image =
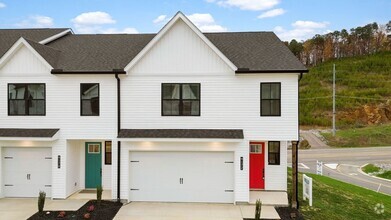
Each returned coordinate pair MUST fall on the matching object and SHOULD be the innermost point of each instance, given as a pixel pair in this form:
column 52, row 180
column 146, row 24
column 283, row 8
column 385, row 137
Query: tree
column 296, row 48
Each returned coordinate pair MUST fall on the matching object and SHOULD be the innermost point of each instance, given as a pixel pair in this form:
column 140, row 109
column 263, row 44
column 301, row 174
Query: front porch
column 90, row 194
column 270, row 198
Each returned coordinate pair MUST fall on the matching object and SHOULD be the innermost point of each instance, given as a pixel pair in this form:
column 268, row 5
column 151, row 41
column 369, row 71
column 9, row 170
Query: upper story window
column 89, row 95
column 26, row 99
column 270, row 99
column 181, row 99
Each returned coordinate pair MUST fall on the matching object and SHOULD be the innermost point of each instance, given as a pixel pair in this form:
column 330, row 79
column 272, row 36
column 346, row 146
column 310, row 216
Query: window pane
column 96, row 148
column 265, row 91
column 16, row 91
column 171, row 91
column 36, row 91
column 265, row 107
column 108, row 158
column 274, row 147
column 17, row 107
column 190, row 91
column 191, row 107
column 36, row 107
column 275, row 91
column 170, row 107
column 86, row 107
column 274, row 107
column 90, row 90
column 108, row 146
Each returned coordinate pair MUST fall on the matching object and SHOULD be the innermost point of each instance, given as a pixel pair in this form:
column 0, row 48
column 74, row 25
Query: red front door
column 257, row 165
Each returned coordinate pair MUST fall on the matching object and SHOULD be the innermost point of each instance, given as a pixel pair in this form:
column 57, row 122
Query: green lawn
column 385, row 175
column 333, row 199
column 377, row 171
column 370, row 168
column 361, row 137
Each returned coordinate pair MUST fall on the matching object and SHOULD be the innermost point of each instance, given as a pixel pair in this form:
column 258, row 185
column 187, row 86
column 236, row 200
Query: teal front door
column 93, row 164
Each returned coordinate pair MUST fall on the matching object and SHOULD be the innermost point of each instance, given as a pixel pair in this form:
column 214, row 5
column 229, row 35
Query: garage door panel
column 26, row 171
column 182, row 176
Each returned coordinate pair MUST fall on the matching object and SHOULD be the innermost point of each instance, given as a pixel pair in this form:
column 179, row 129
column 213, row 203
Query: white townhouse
column 177, row 116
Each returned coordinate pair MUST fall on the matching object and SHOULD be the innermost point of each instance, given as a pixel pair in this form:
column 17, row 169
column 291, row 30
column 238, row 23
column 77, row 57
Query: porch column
column 294, row 195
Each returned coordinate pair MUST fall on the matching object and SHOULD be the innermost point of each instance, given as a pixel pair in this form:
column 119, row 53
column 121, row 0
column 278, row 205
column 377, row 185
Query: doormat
column 88, row 191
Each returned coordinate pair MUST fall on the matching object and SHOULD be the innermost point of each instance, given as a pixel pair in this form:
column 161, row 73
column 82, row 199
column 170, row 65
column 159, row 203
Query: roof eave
column 114, row 71
column 246, row 71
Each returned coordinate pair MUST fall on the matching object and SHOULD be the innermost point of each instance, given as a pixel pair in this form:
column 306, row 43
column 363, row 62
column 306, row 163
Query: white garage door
column 26, row 171
column 182, row 176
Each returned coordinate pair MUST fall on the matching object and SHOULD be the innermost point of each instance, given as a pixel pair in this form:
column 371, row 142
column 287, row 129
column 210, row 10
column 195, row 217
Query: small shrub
column 90, row 208
column 41, row 201
column 99, row 191
column 61, row 214
column 258, row 207
column 87, row 216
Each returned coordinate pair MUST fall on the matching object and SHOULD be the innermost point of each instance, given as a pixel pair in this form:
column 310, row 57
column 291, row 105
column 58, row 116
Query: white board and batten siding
column 228, row 101
column 62, row 111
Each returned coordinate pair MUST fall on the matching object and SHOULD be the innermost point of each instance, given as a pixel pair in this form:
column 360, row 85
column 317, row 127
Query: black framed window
column 270, row 99
column 274, row 152
column 26, row 99
column 181, row 99
column 89, row 99
column 108, row 152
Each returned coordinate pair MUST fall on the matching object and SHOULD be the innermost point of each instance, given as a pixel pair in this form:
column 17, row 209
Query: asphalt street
column 349, row 161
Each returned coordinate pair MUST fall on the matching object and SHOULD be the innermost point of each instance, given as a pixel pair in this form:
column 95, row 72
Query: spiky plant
column 41, row 201
column 258, row 206
column 99, row 191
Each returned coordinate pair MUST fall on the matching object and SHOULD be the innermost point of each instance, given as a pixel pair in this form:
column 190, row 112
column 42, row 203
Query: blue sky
column 298, row 19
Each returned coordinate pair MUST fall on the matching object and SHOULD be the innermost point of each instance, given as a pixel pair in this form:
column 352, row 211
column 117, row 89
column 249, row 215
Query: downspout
column 118, row 142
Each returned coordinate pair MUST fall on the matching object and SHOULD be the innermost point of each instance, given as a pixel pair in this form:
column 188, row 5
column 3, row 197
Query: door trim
column 86, row 150
column 263, row 148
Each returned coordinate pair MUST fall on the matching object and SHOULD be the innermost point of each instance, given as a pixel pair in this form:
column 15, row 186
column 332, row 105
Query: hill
column 363, row 92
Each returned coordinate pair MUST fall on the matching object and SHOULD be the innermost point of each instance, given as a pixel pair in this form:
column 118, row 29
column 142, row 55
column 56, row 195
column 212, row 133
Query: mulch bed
column 106, row 210
column 285, row 213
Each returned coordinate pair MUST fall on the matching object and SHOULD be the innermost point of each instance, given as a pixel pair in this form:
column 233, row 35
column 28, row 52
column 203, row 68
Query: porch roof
column 182, row 133
column 28, row 132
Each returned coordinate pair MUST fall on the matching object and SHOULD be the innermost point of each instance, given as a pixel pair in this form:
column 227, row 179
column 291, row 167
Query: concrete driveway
column 15, row 208
column 190, row 211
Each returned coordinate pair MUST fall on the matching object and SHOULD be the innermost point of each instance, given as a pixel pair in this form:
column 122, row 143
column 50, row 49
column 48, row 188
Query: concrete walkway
column 15, row 208
column 191, row 211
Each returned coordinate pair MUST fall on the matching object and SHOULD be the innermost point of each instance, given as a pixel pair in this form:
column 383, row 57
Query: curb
column 362, row 172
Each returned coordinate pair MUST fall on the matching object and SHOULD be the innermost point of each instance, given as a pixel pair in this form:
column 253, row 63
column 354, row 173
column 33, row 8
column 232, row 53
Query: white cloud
column 206, row 23
column 128, row 30
column 272, row 13
column 2, row 5
column 310, row 24
column 36, row 21
column 302, row 30
column 93, row 18
column 251, row 5
column 160, row 19
column 95, row 23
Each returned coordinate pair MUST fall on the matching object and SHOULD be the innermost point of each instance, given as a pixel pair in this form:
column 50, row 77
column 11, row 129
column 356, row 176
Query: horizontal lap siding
column 63, row 107
column 226, row 102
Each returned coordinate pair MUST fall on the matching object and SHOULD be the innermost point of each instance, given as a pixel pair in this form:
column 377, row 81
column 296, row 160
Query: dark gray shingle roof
column 50, row 54
column 255, row 51
column 9, row 36
column 25, row 132
column 182, row 133
column 249, row 51
column 102, row 52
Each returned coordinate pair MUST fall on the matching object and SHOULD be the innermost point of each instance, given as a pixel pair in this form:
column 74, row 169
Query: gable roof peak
column 179, row 16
